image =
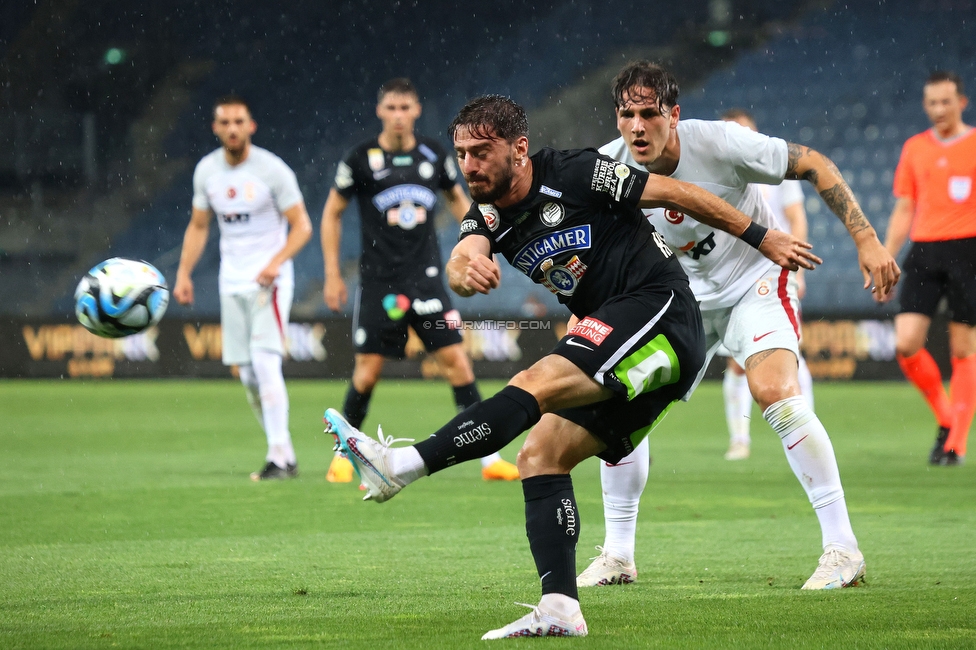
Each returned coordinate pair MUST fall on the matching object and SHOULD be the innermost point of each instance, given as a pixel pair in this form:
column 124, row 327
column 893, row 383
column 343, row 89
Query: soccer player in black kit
column 396, row 178
column 570, row 220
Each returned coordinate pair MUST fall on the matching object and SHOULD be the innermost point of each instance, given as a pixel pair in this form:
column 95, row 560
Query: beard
column 491, row 192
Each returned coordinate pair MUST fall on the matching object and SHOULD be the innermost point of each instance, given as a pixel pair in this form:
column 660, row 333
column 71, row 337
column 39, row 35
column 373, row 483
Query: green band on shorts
column 654, row 365
column 637, row 436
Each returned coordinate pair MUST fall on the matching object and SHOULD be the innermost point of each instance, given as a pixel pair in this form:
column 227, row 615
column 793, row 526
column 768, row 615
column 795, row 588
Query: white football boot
column 539, row 622
column 837, row 569
column 606, row 570
column 369, row 458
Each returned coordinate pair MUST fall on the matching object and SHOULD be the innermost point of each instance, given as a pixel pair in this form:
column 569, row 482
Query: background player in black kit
column 396, row 178
column 570, row 220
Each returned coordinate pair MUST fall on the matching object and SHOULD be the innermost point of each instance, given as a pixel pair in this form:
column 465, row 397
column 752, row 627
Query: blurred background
column 105, row 108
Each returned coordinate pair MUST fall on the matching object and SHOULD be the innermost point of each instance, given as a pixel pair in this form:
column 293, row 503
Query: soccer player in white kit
column 786, row 202
column 263, row 224
column 747, row 303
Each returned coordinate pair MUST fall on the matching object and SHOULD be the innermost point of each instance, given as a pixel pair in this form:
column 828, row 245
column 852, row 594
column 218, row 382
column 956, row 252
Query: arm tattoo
column 794, row 153
column 839, row 198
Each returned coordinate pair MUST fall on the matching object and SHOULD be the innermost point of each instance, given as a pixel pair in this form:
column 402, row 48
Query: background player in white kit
column 747, row 303
column 786, row 202
column 263, row 224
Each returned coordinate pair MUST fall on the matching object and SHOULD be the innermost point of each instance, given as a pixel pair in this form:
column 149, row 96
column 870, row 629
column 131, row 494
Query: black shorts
column 936, row 269
column 648, row 349
column 384, row 310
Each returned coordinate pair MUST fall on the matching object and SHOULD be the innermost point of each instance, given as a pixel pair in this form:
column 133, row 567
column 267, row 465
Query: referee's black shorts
column 936, row 269
column 647, row 348
column 384, row 310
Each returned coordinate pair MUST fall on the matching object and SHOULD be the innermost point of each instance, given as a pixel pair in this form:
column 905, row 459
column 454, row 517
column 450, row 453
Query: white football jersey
column 727, row 160
column 781, row 196
column 248, row 200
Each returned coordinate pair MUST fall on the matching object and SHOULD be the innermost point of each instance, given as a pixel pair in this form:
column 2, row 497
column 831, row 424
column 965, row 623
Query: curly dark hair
column 491, row 117
column 647, row 75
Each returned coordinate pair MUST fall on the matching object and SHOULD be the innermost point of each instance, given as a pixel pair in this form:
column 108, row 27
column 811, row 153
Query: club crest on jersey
column 673, row 216
column 530, row 258
column 591, row 329
column 231, row 192
column 562, row 279
column 959, row 188
column 425, row 169
column 552, row 213
column 407, row 215
column 491, row 216
column 376, row 159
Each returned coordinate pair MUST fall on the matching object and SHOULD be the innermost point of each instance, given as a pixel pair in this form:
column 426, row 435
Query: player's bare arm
column 780, row 247
column 194, row 241
column 334, row 292
column 471, row 268
column 457, row 201
column 875, row 261
column 299, row 232
column 899, row 225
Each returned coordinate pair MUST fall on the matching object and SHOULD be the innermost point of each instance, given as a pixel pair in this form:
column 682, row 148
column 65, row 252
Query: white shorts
column 767, row 317
column 254, row 320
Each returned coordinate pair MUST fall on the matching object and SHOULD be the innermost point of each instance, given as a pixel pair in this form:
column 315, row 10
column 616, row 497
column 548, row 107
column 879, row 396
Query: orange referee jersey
column 940, row 177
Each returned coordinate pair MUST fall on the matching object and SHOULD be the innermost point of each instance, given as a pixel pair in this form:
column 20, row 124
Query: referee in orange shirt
column 936, row 209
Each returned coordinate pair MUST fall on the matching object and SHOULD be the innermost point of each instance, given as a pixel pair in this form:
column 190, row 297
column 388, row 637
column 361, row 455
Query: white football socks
column 274, row 406
column 738, row 405
column 805, row 379
column 490, row 459
column 811, row 456
column 406, row 464
column 623, row 484
column 251, row 390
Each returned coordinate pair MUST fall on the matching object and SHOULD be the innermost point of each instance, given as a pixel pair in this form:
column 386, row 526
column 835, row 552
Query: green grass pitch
column 127, row 520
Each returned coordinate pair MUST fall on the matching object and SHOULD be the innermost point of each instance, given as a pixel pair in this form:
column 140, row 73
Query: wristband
column 754, row 235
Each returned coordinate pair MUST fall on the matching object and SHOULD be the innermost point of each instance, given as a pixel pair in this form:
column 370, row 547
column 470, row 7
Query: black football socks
column 356, row 406
column 552, row 525
column 465, row 396
column 481, row 429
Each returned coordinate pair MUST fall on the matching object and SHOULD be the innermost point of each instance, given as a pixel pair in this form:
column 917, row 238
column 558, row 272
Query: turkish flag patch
column 592, row 330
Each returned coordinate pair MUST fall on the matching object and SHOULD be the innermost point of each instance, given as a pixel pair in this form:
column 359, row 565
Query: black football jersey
column 397, row 192
column 579, row 231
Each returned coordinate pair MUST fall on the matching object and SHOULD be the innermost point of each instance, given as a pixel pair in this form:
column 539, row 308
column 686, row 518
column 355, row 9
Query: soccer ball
column 120, row 297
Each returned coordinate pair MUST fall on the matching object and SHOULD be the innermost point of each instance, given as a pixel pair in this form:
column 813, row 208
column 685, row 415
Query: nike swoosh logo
column 762, row 336
column 578, row 345
column 796, row 443
column 629, row 462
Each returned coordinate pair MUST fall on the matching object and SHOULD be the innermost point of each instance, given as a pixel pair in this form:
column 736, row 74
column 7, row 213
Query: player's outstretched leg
column 480, row 430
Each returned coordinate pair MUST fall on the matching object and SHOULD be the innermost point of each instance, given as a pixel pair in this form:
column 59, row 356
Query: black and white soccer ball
column 121, row 297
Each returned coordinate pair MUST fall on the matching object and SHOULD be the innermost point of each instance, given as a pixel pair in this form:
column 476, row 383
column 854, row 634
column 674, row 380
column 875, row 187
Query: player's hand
column 788, row 251
column 335, row 293
column 881, row 272
column 481, row 275
column 268, row 275
column 183, row 290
